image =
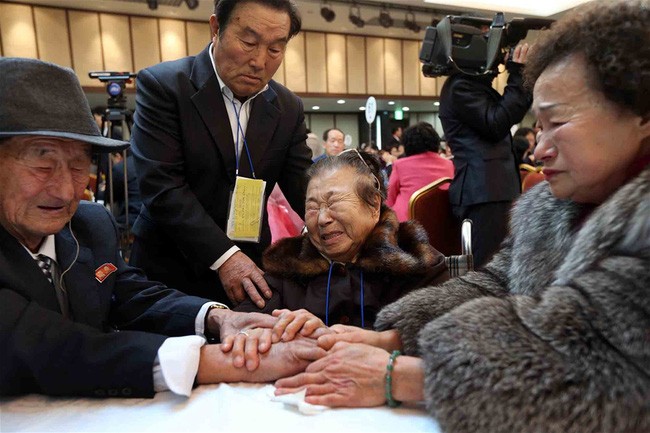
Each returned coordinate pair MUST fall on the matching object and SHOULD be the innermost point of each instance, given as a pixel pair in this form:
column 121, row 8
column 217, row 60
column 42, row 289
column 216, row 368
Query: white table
column 214, row 408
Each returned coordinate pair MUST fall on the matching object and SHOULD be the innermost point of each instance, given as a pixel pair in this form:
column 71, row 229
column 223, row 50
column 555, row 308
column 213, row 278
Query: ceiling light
column 341, row 101
column 192, row 4
column 362, row 108
column 405, row 108
column 391, row 102
column 437, row 103
column 315, row 107
column 385, row 19
column 355, row 16
column 327, row 13
column 153, row 4
column 409, row 22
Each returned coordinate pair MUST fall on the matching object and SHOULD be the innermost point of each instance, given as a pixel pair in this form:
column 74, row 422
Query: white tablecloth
column 215, row 408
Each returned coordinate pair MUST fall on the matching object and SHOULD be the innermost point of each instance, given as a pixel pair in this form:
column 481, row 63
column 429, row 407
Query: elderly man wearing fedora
column 65, row 290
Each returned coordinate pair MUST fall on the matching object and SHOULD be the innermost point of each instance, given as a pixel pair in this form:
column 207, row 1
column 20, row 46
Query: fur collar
column 391, row 248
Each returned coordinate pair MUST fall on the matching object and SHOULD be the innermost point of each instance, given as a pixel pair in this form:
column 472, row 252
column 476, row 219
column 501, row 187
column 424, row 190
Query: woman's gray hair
column 370, row 182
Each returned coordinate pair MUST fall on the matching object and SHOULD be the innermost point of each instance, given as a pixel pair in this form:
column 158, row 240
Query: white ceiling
column 312, row 20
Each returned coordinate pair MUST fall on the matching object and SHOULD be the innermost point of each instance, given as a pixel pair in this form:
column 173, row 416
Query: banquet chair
column 531, row 180
column 430, row 207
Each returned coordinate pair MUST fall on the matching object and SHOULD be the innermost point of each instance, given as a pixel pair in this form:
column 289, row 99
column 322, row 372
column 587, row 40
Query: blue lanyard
column 327, row 297
column 240, row 129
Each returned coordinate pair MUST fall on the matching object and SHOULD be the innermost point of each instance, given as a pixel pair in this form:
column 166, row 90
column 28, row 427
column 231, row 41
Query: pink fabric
column 283, row 221
column 412, row 173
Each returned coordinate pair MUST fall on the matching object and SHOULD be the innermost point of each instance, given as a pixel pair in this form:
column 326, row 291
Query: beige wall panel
column 172, row 39
column 316, row 62
column 428, row 86
column 116, row 42
column 375, row 66
column 279, row 74
column 198, row 36
column 86, row 45
column 393, row 66
column 146, row 42
column 294, row 64
column 502, row 79
column 17, row 31
column 52, row 36
column 336, row 64
column 411, row 67
column 356, row 64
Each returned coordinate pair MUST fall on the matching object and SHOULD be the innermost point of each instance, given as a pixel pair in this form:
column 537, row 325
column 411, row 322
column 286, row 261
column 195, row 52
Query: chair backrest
column 531, row 180
column 430, row 207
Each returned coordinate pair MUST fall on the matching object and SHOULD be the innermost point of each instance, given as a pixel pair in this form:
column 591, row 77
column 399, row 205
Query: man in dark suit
column 65, row 290
column 202, row 121
column 477, row 121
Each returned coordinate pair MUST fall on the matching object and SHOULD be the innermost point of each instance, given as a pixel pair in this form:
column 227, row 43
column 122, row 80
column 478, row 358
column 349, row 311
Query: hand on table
column 387, row 340
column 302, row 322
column 349, row 375
column 241, row 277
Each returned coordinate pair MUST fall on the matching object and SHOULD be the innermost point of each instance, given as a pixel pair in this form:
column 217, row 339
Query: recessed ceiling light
column 341, row 101
column 437, row 103
column 391, row 102
column 405, row 108
column 315, row 107
column 362, row 108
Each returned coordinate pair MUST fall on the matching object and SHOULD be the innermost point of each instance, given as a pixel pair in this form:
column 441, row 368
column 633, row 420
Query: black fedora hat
column 40, row 98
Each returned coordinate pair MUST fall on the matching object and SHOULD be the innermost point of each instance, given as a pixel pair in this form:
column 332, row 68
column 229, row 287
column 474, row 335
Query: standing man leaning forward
column 200, row 122
column 65, row 290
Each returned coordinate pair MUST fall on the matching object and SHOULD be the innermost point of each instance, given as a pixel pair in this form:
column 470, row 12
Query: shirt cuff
column 177, row 363
column 221, row 260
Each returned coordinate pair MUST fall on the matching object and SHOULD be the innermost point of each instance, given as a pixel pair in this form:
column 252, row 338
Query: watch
column 209, row 335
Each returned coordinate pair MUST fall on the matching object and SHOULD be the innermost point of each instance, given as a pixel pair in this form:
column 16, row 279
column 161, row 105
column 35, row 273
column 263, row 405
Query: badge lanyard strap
column 327, row 297
column 240, row 129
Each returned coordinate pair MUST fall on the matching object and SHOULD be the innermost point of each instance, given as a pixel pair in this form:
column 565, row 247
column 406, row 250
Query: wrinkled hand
column 290, row 323
column 240, row 277
column 286, row 359
column 246, row 346
column 349, row 375
column 387, row 340
column 229, row 323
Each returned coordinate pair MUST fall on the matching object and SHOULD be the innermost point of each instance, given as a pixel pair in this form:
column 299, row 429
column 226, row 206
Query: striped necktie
column 45, row 263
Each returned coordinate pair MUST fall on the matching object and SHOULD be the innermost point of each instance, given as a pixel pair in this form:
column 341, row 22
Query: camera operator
column 477, row 121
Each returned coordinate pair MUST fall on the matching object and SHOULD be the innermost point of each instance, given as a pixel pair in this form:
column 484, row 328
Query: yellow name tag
column 246, row 210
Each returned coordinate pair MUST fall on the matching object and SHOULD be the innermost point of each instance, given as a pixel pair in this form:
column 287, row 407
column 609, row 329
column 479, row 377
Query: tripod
column 116, row 123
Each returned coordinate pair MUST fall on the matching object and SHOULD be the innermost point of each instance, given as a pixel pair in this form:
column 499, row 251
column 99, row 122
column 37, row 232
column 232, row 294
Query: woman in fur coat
column 356, row 257
column 553, row 335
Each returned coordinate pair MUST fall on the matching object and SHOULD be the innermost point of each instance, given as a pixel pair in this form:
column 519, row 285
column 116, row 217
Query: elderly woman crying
column 355, row 257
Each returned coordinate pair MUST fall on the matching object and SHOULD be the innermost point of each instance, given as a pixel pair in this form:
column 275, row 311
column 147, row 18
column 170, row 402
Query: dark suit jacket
column 185, row 158
column 41, row 351
column 477, row 121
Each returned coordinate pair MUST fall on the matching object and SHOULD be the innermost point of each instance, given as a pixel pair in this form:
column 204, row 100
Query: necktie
column 45, row 263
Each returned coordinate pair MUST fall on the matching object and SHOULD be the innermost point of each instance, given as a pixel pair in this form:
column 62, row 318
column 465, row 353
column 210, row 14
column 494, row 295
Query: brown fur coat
column 395, row 259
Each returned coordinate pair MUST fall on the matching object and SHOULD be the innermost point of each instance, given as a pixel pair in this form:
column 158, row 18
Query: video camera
column 115, row 85
column 464, row 44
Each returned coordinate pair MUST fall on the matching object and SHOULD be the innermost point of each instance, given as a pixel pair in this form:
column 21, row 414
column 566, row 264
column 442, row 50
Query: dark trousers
column 489, row 227
column 165, row 263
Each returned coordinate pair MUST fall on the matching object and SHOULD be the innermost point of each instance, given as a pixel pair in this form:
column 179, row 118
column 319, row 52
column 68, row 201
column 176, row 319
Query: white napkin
column 296, row 399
